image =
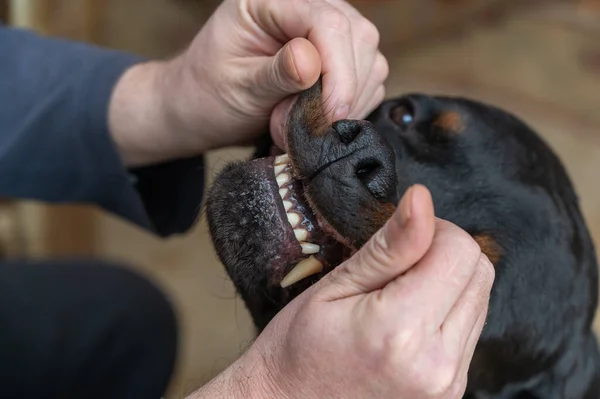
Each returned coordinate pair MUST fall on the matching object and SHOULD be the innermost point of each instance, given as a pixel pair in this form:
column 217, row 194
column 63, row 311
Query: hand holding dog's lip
column 366, row 318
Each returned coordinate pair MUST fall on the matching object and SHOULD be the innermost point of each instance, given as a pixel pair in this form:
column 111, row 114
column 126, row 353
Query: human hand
column 241, row 75
column 400, row 319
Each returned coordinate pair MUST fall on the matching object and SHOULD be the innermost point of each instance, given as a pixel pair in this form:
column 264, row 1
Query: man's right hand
column 400, row 319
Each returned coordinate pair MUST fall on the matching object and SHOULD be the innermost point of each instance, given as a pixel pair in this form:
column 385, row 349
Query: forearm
column 54, row 139
column 56, row 144
column 137, row 117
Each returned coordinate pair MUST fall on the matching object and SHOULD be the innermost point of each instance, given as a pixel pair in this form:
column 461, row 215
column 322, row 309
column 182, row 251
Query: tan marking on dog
column 380, row 215
column 489, row 247
column 449, row 121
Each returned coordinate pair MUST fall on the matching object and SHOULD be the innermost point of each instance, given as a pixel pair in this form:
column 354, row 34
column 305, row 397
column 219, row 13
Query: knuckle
column 368, row 32
column 381, row 68
column 335, row 19
column 441, row 381
column 433, row 381
column 464, row 243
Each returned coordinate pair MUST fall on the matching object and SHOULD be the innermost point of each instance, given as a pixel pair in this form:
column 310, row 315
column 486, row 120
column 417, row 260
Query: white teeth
column 294, row 219
column 308, row 248
column 310, row 265
column 303, row 269
column 283, row 178
column 282, row 159
column 287, row 205
column 301, row 234
column 279, row 168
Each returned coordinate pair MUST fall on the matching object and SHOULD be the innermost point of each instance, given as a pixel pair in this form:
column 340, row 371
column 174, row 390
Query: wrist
column 249, row 377
column 141, row 120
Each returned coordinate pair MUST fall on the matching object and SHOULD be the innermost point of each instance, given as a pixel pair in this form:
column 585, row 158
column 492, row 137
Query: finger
column 328, row 29
column 279, row 118
column 462, row 319
column 393, row 250
column 470, row 347
column 436, row 283
column 294, row 68
column 365, row 98
column 365, row 37
column 375, row 101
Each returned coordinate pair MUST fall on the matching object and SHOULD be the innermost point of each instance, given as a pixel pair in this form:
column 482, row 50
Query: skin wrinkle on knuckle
column 378, row 252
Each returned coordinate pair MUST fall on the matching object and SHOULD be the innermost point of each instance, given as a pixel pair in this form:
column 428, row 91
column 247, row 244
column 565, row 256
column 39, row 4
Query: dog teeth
column 283, row 178
column 278, row 169
column 309, row 265
column 309, row 248
column 282, row 159
column 301, row 234
column 293, row 218
column 305, row 268
column 287, row 205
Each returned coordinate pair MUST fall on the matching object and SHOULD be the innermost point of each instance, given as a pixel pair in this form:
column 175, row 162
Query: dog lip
column 250, row 230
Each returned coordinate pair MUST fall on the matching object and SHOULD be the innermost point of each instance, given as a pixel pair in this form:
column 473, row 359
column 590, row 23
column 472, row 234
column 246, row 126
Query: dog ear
column 263, row 146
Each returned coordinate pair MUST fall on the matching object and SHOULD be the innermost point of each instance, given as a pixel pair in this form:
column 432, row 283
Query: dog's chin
column 263, row 229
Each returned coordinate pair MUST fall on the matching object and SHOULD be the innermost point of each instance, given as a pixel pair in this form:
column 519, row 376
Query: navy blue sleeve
column 55, row 144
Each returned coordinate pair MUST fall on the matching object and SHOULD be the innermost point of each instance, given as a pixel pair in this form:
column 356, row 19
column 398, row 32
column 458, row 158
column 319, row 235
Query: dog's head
column 281, row 222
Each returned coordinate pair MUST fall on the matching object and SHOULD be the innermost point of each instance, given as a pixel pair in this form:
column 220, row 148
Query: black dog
column 488, row 173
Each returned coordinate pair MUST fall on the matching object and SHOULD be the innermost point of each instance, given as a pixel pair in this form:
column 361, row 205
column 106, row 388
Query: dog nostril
column 368, row 171
column 347, row 130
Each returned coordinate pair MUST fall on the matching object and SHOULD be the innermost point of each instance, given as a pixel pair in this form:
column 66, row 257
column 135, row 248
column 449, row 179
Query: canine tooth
column 303, row 269
column 283, row 178
column 301, row 234
column 278, row 169
column 282, row 159
column 293, row 218
column 309, row 248
column 283, row 192
column 287, row 205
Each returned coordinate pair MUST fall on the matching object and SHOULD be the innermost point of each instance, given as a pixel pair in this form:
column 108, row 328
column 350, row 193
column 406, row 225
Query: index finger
column 329, row 30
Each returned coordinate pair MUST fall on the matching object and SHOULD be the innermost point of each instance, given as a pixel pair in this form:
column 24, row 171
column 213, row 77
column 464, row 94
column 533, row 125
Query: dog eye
column 402, row 115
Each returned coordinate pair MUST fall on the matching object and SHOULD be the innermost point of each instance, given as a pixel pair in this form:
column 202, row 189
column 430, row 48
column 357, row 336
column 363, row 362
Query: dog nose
column 372, row 169
column 348, row 130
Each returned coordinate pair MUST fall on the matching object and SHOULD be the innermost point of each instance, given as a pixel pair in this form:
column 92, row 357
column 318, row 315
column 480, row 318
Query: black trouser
column 83, row 330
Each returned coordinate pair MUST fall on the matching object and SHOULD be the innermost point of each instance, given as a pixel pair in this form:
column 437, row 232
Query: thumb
column 295, row 67
column 391, row 252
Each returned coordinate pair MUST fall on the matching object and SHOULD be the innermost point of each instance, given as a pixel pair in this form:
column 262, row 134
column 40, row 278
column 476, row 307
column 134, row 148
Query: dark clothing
column 81, row 330
column 54, row 140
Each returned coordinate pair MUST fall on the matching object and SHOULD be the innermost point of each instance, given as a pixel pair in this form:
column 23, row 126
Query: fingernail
column 406, row 206
column 341, row 112
column 292, row 67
